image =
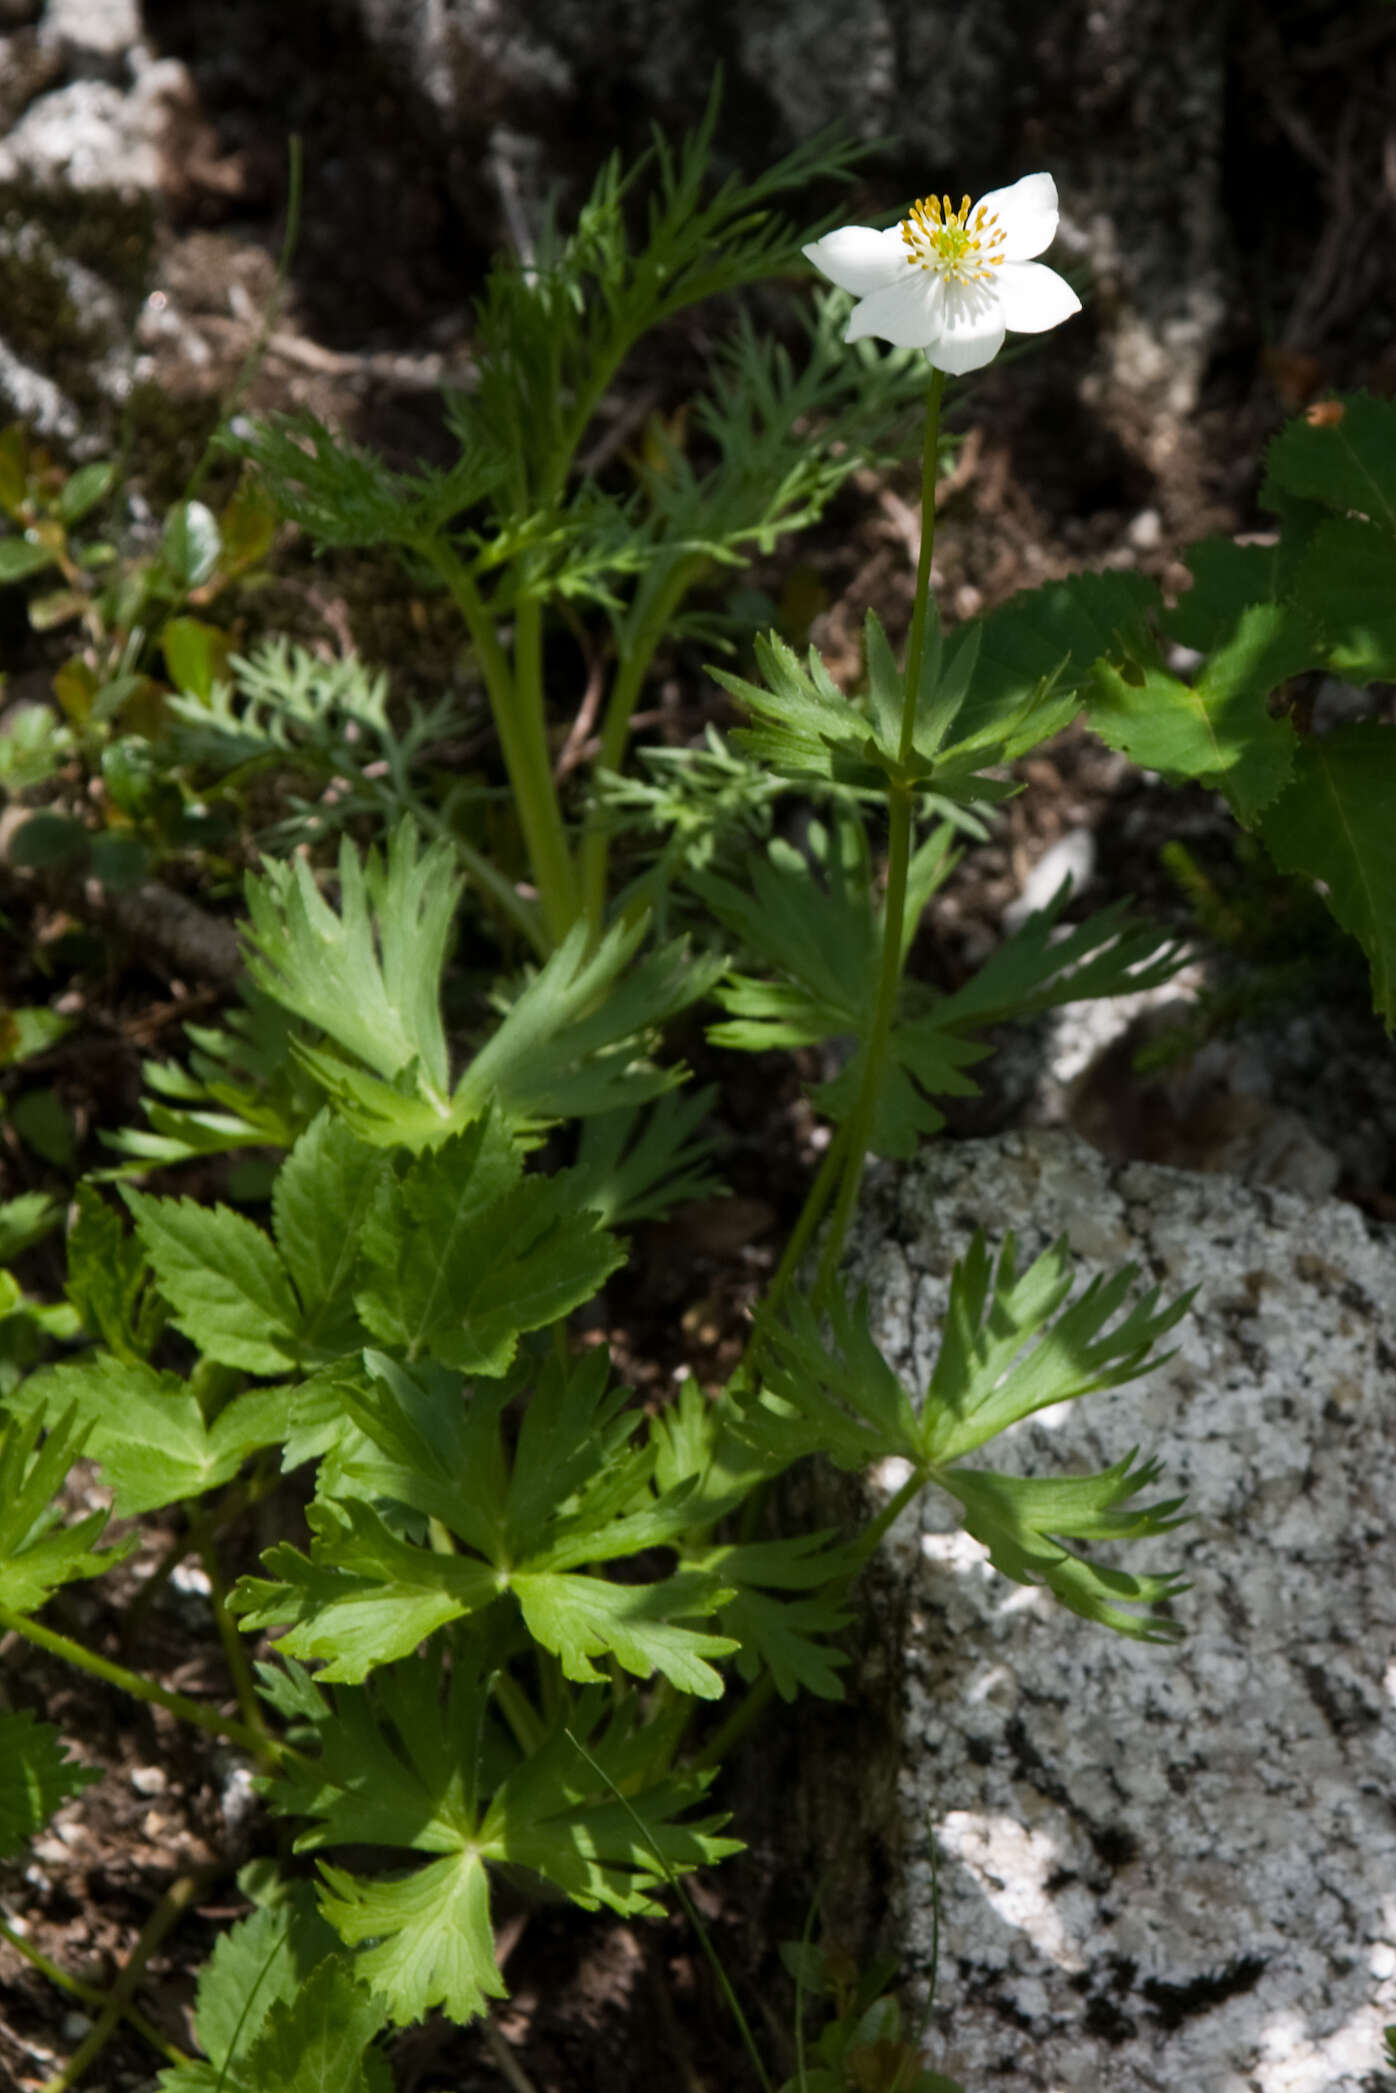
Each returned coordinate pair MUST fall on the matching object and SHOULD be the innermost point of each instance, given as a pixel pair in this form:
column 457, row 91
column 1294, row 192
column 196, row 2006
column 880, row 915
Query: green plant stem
column 518, row 1711
column 861, row 1120
column 751, row 1704
column 175, row 1901
column 759, row 1697
column 261, row 1747
column 631, row 671
column 900, row 807
column 871, row 1537
column 517, row 708
column 234, row 1651
column 916, row 644
column 811, row 1214
column 89, row 1995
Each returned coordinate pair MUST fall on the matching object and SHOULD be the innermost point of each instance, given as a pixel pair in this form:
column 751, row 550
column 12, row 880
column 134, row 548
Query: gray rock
column 93, row 36
column 95, row 135
column 1158, row 1869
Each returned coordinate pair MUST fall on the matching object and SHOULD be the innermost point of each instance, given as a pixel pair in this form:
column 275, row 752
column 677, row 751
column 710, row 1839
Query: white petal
column 1028, row 214
column 904, row 313
column 969, row 332
column 858, row 259
column 1033, row 297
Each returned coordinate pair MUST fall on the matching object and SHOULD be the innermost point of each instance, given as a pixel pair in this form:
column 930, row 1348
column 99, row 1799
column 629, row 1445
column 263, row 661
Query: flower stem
column 516, row 702
column 916, row 644
column 261, row 1746
column 901, row 801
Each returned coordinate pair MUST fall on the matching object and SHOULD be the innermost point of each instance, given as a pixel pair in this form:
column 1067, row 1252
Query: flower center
column 962, row 246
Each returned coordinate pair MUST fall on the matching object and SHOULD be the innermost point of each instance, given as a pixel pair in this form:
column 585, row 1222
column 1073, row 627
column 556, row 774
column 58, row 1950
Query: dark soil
column 389, row 256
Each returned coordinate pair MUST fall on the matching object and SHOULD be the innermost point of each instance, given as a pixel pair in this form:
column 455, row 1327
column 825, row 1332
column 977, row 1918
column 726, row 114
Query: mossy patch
column 110, row 233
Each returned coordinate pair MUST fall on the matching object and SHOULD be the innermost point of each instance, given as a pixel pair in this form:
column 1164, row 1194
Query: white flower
column 951, row 282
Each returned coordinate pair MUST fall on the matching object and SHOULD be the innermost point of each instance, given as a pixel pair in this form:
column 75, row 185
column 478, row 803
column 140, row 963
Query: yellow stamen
column 963, row 246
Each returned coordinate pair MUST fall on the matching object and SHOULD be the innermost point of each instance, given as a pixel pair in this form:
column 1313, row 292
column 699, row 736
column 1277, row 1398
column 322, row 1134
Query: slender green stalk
column 916, row 644
column 751, row 1704
column 517, row 708
column 811, row 1214
column 261, row 1747
column 175, row 1901
column 620, row 709
column 89, row 1994
column 900, row 808
column 234, row 1650
column 870, row 1539
column 675, row 1882
column 518, row 1711
column 860, row 1123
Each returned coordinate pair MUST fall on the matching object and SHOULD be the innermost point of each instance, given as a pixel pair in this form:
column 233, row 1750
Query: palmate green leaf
column 812, row 919
column 320, row 2041
column 1217, row 728
column 783, row 1635
column 462, row 1253
column 695, row 1444
column 260, row 1963
column 363, row 1597
column 574, row 1040
column 231, row 1287
column 404, row 1765
column 1334, row 824
column 367, row 975
column 577, row 1492
column 243, row 1088
column 579, row 1617
column 1018, row 1519
column 432, row 1943
column 107, row 1272
column 635, row 1166
column 224, row 1280
column 36, row 1777
column 36, row 1553
column 147, row 1431
column 1010, row 1346
column 323, row 1195
column 1046, row 963
column 807, row 729
column 586, row 1812
column 1346, row 461
column 840, row 1399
